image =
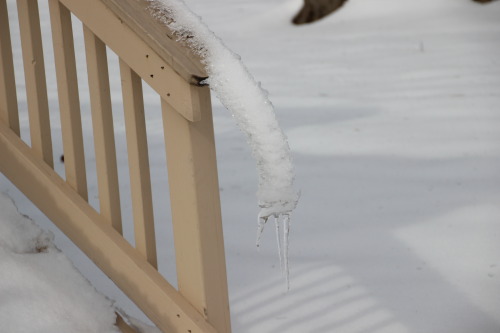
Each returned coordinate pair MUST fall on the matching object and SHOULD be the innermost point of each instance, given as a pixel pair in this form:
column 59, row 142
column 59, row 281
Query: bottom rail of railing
column 161, row 302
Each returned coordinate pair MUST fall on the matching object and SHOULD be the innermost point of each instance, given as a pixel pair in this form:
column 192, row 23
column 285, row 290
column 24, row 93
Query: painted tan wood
column 147, row 63
column 147, row 23
column 69, row 100
column 87, row 229
column 102, row 124
column 138, row 161
column 8, row 96
column 36, row 86
column 194, row 192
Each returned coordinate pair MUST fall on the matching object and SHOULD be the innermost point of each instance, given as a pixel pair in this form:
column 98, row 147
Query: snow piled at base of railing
column 249, row 105
column 40, row 289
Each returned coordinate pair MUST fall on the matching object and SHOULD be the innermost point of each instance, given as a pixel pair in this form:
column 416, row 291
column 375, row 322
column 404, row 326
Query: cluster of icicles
column 254, row 113
column 282, row 249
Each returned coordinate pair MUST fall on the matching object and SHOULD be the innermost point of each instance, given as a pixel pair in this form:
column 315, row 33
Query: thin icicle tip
column 247, row 101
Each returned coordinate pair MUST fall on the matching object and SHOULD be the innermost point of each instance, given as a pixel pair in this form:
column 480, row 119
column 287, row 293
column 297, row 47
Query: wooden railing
column 147, row 53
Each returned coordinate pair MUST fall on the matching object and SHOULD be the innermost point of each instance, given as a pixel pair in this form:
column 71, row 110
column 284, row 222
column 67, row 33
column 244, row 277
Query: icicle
column 278, row 240
column 261, row 222
column 286, row 232
column 282, row 244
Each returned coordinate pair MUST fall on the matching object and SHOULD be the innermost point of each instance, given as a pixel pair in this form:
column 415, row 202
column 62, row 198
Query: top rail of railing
column 149, row 47
column 137, row 14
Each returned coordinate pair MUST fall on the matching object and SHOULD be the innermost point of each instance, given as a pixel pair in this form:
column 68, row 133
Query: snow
column 40, row 290
column 391, row 108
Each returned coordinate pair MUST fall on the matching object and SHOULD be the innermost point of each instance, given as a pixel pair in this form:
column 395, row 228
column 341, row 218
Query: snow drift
column 40, row 289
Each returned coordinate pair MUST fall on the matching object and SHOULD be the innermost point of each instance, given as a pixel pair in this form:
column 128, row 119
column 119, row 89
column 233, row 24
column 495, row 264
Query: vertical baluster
column 8, row 97
column 36, row 86
column 196, row 215
column 69, row 100
column 104, row 135
column 137, row 146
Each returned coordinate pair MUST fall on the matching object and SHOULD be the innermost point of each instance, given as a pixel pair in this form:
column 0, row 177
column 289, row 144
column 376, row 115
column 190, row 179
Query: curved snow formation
column 248, row 103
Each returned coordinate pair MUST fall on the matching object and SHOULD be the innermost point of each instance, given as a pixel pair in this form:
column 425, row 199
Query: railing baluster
column 140, row 183
column 8, row 97
column 196, row 215
column 102, row 123
column 36, row 86
column 69, row 100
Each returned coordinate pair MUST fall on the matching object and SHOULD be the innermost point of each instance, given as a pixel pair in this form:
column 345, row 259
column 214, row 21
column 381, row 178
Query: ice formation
column 248, row 103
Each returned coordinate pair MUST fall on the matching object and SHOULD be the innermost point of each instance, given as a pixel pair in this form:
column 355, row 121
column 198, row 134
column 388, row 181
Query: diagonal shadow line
column 312, row 284
column 271, row 283
column 304, row 302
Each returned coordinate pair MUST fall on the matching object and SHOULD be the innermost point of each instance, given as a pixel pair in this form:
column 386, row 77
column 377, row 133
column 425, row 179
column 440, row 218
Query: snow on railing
column 250, row 106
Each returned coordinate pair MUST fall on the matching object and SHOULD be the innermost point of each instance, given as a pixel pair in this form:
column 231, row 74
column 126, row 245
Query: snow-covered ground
column 392, row 110
column 39, row 287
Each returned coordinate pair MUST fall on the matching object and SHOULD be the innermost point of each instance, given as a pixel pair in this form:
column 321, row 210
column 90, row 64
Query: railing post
column 196, row 215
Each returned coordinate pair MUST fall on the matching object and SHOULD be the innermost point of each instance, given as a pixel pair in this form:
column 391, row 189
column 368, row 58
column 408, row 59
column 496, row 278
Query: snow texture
column 247, row 101
column 40, row 290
